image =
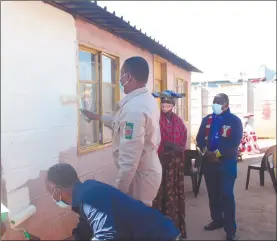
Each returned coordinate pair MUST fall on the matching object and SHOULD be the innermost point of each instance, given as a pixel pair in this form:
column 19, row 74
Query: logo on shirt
column 226, row 131
column 129, row 130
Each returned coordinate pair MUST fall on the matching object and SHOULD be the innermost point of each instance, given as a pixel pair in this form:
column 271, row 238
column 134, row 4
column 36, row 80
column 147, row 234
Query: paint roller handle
column 29, row 236
column 90, row 115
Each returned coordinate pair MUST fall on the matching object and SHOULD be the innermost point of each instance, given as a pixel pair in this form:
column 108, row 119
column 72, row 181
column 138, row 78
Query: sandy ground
column 256, row 208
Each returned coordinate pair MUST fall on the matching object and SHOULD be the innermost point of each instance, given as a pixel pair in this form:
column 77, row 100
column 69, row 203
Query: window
column 181, row 107
column 99, row 92
column 160, row 77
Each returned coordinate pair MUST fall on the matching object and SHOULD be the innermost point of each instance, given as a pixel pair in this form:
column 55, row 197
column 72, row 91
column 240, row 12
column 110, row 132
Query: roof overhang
column 100, row 17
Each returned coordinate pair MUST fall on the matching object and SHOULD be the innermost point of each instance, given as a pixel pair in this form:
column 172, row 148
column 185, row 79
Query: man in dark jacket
column 108, row 213
column 219, row 137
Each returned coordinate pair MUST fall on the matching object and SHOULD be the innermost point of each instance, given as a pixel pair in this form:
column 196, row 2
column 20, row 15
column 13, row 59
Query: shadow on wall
column 51, row 222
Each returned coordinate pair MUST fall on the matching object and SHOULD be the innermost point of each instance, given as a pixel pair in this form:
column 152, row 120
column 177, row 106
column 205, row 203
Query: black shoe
column 231, row 238
column 213, row 226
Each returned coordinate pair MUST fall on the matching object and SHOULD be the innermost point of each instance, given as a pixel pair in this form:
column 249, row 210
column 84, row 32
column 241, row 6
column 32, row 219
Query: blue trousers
column 220, row 186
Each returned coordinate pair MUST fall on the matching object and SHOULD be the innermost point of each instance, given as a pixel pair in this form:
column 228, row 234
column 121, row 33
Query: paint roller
column 74, row 99
column 70, row 99
column 20, row 218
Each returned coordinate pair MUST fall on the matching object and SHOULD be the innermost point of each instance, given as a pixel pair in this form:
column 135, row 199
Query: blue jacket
column 230, row 131
column 113, row 215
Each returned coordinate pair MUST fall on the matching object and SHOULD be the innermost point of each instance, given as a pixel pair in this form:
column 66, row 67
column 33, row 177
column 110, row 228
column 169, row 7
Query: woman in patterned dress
column 170, row 199
column 249, row 140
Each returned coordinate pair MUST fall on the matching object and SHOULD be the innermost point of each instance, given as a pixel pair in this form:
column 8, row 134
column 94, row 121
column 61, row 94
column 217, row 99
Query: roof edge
column 139, row 38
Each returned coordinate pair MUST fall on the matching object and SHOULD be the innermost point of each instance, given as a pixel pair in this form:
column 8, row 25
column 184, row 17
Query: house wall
column 38, row 52
column 39, row 46
column 91, row 36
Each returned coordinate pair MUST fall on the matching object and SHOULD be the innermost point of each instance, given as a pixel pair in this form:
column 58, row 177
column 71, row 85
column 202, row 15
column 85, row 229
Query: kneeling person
column 110, row 214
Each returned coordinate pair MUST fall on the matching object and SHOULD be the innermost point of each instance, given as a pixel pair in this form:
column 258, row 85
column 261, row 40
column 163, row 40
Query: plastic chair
column 193, row 169
column 266, row 164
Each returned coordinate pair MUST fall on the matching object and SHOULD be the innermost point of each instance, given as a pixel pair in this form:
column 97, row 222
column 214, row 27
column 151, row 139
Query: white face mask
column 217, row 109
column 166, row 109
column 122, row 86
column 60, row 203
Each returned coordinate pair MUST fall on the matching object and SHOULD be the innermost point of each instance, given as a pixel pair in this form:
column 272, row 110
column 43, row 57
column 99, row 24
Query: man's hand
column 211, row 157
column 90, row 115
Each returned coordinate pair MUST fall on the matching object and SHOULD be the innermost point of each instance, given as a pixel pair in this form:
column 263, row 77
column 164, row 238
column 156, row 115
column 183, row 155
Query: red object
column 266, row 111
column 174, row 132
column 249, row 143
column 257, row 80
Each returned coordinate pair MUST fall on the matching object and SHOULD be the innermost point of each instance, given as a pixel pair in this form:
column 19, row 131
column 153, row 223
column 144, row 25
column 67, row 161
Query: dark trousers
column 220, row 186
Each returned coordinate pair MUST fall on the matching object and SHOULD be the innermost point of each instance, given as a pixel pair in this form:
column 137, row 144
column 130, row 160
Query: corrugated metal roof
column 118, row 26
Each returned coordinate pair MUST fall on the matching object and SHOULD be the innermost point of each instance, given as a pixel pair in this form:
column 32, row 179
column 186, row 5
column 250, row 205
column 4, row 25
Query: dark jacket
column 229, row 138
column 113, row 215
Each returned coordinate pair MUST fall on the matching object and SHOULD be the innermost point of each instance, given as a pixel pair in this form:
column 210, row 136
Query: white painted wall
column 38, row 65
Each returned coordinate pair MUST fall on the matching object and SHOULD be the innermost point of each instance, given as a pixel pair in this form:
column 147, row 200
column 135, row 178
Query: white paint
column 38, row 53
column 22, row 216
column 4, row 209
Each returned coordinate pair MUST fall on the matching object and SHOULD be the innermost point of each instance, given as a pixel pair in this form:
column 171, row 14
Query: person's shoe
column 232, row 238
column 213, row 226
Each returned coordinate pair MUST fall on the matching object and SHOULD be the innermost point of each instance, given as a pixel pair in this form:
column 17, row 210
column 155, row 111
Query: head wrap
column 168, row 96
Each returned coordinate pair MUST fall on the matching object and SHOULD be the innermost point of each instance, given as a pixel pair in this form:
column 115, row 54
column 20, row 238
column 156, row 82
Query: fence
column 258, row 98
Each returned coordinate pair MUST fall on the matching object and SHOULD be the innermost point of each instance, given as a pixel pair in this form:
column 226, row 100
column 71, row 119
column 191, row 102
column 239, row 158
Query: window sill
column 93, row 148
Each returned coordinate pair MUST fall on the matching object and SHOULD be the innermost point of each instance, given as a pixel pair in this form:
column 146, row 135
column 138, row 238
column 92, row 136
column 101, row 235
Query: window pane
column 108, row 70
column 109, row 91
column 87, row 66
column 89, row 132
column 109, row 105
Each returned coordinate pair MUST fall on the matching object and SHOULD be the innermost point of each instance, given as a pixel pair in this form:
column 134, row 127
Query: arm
column 200, row 138
column 234, row 142
column 82, row 231
column 100, row 219
column 130, row 148
column 106, row 119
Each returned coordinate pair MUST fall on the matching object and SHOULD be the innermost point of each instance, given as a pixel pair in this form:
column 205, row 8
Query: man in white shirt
column 136, row 134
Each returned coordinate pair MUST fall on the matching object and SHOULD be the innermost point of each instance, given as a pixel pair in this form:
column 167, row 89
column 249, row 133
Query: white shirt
column 136, row 138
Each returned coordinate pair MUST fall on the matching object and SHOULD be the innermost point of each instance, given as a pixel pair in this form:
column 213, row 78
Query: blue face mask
column 217, row 109
column 60, row 203
column 120, row 85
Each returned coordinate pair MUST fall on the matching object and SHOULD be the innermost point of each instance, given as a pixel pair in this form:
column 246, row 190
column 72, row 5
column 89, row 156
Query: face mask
column 120, row 85
column 217, row 109
column 166, row 107
column 60, row 203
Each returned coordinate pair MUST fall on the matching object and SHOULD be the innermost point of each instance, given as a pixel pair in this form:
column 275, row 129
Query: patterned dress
column 170, row 199
column 249, row 141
